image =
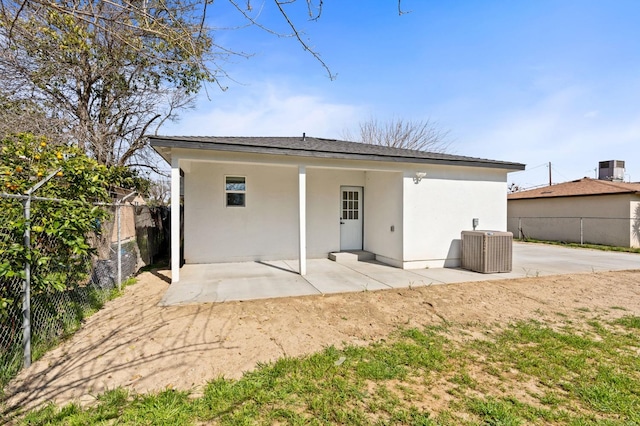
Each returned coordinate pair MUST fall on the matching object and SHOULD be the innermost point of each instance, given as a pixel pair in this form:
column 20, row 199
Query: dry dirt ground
column 134, row 343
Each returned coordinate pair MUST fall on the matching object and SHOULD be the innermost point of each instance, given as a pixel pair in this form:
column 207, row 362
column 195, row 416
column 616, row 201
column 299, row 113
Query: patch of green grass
column 463, row 380
column 629, row 321
column 70, row 414
column 586, row 373
column 165, row 408
column 551, row 399
column 492, row 411
column 169, row 408
column 611, row 391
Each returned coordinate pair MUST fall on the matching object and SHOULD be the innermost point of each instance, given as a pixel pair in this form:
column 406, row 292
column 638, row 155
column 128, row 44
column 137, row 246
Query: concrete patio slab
column 206, row 283
column 236, row 281
column 544, row 259
column 391, row 277
column 331, row 277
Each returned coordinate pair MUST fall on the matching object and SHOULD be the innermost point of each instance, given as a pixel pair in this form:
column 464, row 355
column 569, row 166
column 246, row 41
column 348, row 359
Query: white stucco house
column 271, row 198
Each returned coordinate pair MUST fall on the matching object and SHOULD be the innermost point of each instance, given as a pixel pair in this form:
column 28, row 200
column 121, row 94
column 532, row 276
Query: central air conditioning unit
column 612, row 170
column 487, row 251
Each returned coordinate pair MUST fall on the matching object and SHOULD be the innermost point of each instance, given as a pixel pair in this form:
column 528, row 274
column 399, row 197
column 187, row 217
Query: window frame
column 233, row 191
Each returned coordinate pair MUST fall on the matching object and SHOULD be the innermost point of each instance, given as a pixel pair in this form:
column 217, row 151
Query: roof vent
column 612, row 170
column 304, row 136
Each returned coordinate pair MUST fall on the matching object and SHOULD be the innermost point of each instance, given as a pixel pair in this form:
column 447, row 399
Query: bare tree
column 107, row 72
column 22, row 115
column 159, row 193
column 422, row 135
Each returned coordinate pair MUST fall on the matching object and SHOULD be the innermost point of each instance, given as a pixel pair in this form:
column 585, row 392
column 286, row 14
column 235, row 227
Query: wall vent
column 612, row 170
column 487, row 251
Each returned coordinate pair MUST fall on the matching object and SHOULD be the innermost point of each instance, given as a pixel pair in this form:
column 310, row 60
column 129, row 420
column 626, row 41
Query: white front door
column 350, row 218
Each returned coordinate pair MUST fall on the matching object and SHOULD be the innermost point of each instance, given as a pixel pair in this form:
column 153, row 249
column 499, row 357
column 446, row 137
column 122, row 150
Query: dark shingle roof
column 319, row 148
column 580, row 187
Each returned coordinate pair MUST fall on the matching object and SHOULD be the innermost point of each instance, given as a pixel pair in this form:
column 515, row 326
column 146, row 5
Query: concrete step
column 351, row 256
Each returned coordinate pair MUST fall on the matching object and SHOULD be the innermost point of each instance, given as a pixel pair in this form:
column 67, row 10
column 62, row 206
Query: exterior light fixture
column 418, row 177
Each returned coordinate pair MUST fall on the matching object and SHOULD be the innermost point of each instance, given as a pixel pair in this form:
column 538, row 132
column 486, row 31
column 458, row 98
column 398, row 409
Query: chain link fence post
column 119, row 254
column 26, row 301
column 26, row 289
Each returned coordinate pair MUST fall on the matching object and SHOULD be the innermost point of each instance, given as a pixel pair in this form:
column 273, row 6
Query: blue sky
column 533, row 81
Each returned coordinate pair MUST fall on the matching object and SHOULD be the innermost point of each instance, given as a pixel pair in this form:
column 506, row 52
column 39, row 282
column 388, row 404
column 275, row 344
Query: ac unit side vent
column 487, row 251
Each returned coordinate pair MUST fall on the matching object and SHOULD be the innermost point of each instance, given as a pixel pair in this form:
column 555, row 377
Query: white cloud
column 555, row 129
column 273, row 111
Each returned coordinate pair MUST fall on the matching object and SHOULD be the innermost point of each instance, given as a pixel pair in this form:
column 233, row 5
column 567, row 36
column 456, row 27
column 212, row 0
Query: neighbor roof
column 318, row 148
column 580, row 187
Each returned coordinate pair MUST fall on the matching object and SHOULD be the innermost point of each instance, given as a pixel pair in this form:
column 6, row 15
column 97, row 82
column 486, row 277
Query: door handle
column 341, row 222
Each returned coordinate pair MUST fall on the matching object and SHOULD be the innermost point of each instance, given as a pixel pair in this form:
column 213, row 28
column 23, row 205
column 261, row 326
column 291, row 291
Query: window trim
column 227, row 191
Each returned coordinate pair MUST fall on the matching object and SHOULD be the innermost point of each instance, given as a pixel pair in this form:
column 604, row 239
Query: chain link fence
column 10, row 292
column 66, row 283
column 611, row 231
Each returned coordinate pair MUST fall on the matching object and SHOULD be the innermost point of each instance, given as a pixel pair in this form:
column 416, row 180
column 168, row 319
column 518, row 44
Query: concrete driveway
column 222, row 282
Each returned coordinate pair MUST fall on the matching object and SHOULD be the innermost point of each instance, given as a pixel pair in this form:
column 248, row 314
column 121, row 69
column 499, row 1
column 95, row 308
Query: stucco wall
column 427, row 217
column 606, row 218
column 442, row 205
column 323, row 208
column 265, row 229
column 383, row 210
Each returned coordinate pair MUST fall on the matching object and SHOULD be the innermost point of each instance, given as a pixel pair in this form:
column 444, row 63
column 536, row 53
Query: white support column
column 175, row 220
column 302, row 221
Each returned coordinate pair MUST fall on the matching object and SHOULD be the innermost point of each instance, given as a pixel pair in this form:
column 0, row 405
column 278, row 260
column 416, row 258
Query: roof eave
column 173, row 143
column 630, row 192
column 163, row 151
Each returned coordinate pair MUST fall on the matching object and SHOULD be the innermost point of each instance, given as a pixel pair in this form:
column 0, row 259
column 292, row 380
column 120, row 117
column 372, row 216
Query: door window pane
column 350, row 205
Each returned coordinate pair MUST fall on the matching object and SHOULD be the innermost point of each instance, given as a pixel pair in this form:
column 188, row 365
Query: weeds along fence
column 612, row 231
column 47, row 285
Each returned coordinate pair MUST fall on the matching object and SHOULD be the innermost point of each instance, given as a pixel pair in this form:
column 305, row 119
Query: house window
column 235, row 188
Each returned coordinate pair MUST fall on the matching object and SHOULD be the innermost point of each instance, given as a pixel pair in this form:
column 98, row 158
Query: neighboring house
column 268, row 198
column 585, row 210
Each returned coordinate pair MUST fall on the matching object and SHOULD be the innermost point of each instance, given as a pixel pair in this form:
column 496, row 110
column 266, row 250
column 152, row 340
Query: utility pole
column 549, row 173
